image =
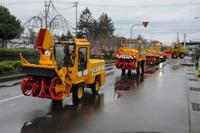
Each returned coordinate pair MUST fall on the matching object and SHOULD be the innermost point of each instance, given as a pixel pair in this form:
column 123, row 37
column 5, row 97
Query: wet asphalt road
column 154, row 102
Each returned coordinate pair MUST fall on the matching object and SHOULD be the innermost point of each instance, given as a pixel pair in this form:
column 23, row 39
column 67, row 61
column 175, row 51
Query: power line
column 144, row 6
column 65, row 8
column 110, row 5
column 22, row 2
column 51, row 18
column 160, row 31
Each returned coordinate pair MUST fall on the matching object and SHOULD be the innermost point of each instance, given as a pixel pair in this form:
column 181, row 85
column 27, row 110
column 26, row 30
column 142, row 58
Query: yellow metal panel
column 39, row 66
column 48, row 41
column 82, row 42
column 128, row 51
column 45, row 60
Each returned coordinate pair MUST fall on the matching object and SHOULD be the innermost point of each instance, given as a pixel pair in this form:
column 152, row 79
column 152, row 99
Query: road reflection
column 64, row 118
column 126, row 82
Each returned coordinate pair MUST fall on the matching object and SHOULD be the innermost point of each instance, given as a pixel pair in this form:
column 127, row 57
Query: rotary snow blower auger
column 63, row 68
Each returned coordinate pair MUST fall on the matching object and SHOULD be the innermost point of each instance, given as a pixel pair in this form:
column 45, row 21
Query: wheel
column 181, row 55
column 142, row 66
column 138, row 69
column 129, row 72
column 165, row 57
column 56, row 102
column 174, row 56
column 27, row 85
column 123, row 71
column 78, row 92
column 96, row 86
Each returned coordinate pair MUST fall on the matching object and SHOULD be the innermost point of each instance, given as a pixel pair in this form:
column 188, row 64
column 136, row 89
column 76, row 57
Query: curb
column 189, row 64
column 11, row 77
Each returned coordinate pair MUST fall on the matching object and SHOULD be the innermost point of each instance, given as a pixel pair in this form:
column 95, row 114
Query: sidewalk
column 194, row 99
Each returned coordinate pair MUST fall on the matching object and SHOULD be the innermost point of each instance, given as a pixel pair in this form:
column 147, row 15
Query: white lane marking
column 10, row 98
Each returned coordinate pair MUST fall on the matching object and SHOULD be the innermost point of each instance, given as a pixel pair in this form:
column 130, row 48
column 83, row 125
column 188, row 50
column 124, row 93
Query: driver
column 82, row 58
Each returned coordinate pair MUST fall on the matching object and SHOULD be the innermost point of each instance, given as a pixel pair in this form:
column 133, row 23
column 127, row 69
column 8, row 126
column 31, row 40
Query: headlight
column 47, row 53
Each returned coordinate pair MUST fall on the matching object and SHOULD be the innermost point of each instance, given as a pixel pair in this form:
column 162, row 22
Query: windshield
column 64, row 54
column 69, row 54
column 59, row 54
column 133, row 46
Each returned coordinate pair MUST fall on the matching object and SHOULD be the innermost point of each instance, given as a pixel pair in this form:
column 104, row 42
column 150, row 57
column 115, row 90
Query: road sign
column 145, row 23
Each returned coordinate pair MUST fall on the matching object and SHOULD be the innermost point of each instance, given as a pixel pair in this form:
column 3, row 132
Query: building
column 191, row 46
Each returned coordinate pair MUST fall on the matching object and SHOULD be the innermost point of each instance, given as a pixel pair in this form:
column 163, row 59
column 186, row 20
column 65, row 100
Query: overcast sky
column 166, row 17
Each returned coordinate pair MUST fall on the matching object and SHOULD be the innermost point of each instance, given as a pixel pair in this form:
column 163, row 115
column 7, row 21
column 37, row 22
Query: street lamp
column 145, row 23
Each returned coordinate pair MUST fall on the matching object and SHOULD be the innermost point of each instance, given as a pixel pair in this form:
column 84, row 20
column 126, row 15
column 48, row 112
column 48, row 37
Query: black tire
column 78, row 93
column 138, row 69
column 129, row 72
column 181, row 55
column 174, row 56
column 56, row 102
column 157, row 61
column 164, row 58
column 142, row 66
column 123, row 71
column 96, row 86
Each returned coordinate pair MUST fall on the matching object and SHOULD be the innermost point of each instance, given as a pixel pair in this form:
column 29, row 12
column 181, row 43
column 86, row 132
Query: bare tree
column 108, row 46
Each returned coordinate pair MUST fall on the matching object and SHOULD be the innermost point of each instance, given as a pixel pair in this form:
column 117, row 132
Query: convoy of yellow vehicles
column 133, row 55
column 65, row 67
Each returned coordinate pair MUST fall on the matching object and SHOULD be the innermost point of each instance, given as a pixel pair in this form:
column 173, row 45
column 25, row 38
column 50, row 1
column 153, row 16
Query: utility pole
column 76, row 5
column 177, row 37
column 184, row 39
column 46, row 13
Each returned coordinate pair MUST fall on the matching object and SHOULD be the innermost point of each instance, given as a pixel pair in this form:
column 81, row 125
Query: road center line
column 11, row 98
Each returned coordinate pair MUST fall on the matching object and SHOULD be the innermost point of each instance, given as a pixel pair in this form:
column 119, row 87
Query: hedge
column 13, row 54
column 9, row 66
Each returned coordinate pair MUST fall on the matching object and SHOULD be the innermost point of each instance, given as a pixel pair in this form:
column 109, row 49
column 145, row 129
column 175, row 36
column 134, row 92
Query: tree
column 85, row 24
column 109, row 45
column 95, row 29
column 140, row 38
column 10, row 26
column 32, row 38
column 99, row 32
column 91, row 29
column 106, row 26
column 66, row 37
column 63, row 37
column 69, row 35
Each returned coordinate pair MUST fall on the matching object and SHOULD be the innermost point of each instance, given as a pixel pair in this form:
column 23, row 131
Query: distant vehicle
column 176, row 51
column 131, row 56
column 154, row 54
